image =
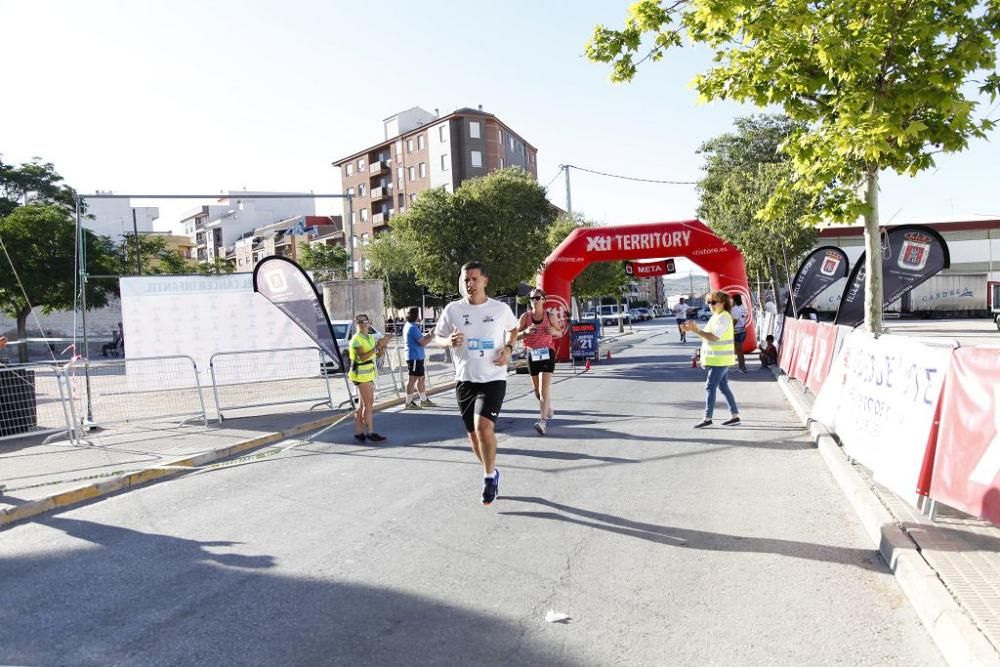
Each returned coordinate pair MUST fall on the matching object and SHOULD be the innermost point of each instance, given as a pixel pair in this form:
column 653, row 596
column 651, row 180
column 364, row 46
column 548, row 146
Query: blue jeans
column 718, row 378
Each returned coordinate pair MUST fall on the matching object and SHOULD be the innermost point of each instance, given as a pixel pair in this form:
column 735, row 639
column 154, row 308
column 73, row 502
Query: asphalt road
column 663, row 545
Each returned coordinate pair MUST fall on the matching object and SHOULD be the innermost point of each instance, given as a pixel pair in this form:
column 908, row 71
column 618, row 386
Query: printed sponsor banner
column 787, row 348
column 650, row 269
column 880, row 398
column 198, row 316
column 805, row 342
column 824, row 347
column 585, row 339
column 287, row 286
column 911, row 255
column 823, row 267
column 966, row 473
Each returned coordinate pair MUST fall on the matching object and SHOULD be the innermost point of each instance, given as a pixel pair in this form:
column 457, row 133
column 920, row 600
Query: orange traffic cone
column 694, row 359
column 607, row 354
column 587, row 367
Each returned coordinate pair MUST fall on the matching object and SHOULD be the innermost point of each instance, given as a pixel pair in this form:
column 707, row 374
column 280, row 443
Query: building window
column 364, row 215
column 349, row 169
column 443, row 133
column 364, row 239
column 411, row 173
column 361, row 165
column 399, row 175
column 399, row 149
column 500, row 136
column 423, row 170
column 356, row 265
column 409, row 145
column 444, row 162
column 350, row 191
column 477, row 159
column 352, row 217
column 413, row 197
column 501, row 163
column 354, row 241
column 511, row 143
column 421, row 143
column 474, row 129
column 361, row 190
column 402, row 202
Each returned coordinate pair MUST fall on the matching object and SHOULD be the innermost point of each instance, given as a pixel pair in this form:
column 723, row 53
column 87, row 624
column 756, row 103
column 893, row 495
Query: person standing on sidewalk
column 740, row 319
column 364, row 348
column 538, row 330
column 681, row 314
column 481, row 331
column 416, row 385
column 717, row 355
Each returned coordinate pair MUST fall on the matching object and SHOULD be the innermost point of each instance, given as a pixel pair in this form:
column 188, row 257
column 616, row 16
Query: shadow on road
column 696, row 539
column 127, row 597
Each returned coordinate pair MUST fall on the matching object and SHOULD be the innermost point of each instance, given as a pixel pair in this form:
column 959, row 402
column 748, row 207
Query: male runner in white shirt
column 481, row 332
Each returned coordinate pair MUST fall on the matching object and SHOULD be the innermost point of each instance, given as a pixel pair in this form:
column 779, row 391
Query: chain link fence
column 33, row 400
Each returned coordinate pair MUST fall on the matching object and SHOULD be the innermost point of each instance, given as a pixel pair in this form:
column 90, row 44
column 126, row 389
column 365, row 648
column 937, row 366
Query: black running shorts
column 544, row 366
column 415, row 367
column 482, row 398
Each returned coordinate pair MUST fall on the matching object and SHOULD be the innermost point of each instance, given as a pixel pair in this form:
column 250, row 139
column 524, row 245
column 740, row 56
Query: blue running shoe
column 491, row 487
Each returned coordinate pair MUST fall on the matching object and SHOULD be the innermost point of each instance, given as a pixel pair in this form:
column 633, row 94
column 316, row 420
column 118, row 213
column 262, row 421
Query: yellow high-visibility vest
column 720, row 352
column 362, row 371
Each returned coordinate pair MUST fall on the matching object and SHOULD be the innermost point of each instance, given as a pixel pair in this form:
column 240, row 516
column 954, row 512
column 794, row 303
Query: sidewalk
column 948, row 568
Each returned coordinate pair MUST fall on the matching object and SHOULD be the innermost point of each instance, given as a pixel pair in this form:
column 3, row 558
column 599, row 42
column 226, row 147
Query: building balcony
column 377, row 167
column 383, row 192
column 380, row 220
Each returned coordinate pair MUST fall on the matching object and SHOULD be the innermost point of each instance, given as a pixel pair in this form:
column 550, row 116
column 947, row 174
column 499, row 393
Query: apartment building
column 283, row 238
column 423, row 150
column 216, row 228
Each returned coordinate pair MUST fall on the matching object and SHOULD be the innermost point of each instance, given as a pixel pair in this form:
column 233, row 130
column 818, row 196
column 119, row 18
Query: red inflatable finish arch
column 691, row 239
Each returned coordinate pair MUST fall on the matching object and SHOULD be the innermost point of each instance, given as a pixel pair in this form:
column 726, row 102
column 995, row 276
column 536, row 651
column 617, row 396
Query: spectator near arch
column 689, row 238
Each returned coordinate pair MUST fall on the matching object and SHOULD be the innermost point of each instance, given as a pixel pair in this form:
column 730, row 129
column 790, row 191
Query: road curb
column 953, row 632
column 174, row 468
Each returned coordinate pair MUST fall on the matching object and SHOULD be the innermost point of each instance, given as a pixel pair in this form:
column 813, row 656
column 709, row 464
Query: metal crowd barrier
column 125, row 391
column 33, row 401
column 271, row 377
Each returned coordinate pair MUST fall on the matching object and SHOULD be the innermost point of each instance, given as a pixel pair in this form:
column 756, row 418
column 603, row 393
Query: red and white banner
column 880, row 399
column 966, row 472
column 805, row 342
column 824, row 347
column 789, row 344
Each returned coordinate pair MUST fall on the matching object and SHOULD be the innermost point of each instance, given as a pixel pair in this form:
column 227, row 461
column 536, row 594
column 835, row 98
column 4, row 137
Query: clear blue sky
column 189, row 95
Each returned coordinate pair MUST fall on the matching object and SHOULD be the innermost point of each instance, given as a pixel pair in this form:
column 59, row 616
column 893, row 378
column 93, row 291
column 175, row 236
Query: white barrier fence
column 33, row 401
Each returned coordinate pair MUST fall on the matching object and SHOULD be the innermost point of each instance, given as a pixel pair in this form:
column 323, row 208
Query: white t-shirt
column 486, row 328
column 770, row 307
column 680, row 310
column 739, row 313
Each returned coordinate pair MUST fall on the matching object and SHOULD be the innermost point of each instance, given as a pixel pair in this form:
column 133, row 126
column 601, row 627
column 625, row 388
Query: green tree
column 391, row 262
column 32, row 181
column 499, row 219
column 880, row 84
column 155, row 256
column 328, row 262
column 743, row 170
column 216, row 267
column 40, row 242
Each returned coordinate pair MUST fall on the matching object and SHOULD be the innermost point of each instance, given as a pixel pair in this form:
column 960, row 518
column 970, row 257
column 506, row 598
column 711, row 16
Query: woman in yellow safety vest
column 717, row 355
column 364, row 348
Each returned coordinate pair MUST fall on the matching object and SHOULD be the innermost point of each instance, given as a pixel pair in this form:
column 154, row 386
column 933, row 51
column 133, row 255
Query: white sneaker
column 540, row 426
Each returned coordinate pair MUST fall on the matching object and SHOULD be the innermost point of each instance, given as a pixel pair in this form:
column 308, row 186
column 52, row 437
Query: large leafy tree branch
column 879, row 84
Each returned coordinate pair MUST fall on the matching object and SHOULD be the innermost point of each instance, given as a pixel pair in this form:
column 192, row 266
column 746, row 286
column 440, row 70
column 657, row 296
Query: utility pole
column 569, row 199
column 135, row 231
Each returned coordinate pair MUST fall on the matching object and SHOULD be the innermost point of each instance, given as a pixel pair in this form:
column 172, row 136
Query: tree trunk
column 873, row 257
column 22, row 334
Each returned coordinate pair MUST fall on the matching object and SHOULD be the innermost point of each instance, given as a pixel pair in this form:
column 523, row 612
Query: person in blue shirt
column 416, row 385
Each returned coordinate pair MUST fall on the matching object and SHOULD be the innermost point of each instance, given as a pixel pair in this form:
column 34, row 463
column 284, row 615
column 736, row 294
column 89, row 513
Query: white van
column 609, row 315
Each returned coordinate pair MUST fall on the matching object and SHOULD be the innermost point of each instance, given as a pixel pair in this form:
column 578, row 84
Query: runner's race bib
column 479, row 343
column 541, row 354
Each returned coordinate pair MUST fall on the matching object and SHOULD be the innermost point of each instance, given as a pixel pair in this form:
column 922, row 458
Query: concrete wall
column 100, row 322
column 369, row 298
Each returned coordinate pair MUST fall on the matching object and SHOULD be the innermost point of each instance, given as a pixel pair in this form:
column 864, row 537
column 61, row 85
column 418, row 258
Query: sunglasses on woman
column 712, row 303
column 537, row 298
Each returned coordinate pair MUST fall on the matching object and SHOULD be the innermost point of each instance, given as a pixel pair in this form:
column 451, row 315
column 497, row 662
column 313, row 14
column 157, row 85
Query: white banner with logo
column 198, row 316
column 880, row 398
